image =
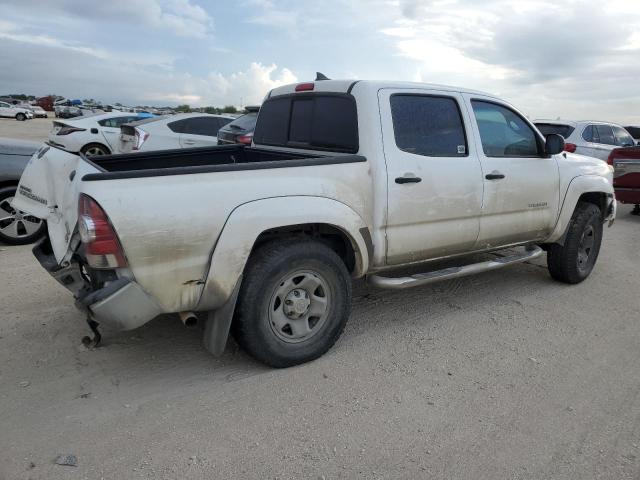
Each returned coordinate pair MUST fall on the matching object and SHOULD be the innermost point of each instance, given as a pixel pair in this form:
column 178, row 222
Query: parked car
column 594, row 139
column 68, row 112
column 626, row 175
column 39, row 112
column 634, row 132
column 16, row 227
column 344, row 179
column 91, row 135
column 241, row 129
column 185, row 130
column 12, row 111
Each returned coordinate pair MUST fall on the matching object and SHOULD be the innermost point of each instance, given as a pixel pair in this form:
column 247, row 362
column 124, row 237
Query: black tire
column 21, row 117
column 21, row 234
column 574, row 261
column 266, row 278
column 92, row 149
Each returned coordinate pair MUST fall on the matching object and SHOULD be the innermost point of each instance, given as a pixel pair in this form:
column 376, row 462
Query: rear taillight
column 67, row 129
column 102, row 247
column 141, row 137
column 570, row 147
column 245, row 139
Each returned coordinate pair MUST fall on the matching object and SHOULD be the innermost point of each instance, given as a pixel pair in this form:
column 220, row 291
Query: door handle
column 189, row 142
column 495, row 175
column 402, row 180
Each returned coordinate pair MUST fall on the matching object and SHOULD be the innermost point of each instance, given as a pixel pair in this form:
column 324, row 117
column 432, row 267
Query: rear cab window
column 313, row 121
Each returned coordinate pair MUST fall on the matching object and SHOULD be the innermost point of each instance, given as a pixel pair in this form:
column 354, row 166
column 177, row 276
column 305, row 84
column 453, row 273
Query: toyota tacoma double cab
column 343, row 180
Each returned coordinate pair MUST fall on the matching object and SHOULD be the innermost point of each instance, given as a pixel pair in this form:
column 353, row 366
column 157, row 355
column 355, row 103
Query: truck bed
column 204, row 159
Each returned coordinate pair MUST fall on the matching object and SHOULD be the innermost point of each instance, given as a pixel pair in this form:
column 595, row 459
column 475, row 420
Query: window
column 623, row 138
column 634, row 131
column 311, row 121
column 549, row 128
column 179, row 126
column 245, row 122
column 427, row 125
column 503, row 132
column 208, row 126
column 116, row 122
column 606, row 135
column 590, row 134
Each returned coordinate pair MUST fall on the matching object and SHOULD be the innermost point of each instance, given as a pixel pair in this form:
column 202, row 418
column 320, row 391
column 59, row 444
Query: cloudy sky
column 569, row 58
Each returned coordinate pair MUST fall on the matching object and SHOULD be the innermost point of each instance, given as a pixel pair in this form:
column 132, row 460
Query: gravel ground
column 36, row 129
column 507, row 374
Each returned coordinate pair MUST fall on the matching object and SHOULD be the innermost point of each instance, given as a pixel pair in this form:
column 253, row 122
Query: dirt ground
column 507, row 374
column 36, row 129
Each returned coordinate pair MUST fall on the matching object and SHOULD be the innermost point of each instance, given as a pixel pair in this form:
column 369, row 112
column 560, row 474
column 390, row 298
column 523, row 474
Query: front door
column 521, row 183
column 433, row 175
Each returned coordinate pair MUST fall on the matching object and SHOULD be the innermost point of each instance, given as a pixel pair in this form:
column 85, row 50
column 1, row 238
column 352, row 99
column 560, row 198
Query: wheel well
column 333, row 237
column 599, row 199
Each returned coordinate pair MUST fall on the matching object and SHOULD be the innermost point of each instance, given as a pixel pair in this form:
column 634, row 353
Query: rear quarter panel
column 169, row 226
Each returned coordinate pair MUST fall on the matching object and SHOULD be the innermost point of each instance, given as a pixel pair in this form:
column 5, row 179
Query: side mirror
column 554, row 144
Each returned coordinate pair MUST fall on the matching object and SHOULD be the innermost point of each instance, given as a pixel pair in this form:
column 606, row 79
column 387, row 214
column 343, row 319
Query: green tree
column 183, row 108
column 229, row 109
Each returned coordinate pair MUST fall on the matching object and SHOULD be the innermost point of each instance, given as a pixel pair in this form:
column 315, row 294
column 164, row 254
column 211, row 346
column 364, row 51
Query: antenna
column 321, row 76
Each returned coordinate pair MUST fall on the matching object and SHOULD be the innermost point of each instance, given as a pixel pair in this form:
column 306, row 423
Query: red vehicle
column 626, row 175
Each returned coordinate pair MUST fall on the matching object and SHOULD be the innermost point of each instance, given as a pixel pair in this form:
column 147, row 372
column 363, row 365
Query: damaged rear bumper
column 121, row 304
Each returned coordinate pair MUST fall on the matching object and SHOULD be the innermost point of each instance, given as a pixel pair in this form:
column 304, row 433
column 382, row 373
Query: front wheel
column 17, row 227
column 293, row 304
column 574, row 261
column 21, row 117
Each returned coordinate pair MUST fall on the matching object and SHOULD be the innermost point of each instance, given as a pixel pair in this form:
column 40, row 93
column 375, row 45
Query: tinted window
column 634, row 131
column 549, row 128
column 503, row 132
column 606, row 135
column 316, row 121
column 208, row 126
column 179, row 126
column 623, row 138
column 429, row 126
column 245, row 122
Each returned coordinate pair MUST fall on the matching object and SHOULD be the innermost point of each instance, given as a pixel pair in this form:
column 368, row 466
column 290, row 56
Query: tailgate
column 49, row 189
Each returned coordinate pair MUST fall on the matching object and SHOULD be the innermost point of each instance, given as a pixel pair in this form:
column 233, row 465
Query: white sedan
column 11, row 111
column 185, row 130
column 93, row 134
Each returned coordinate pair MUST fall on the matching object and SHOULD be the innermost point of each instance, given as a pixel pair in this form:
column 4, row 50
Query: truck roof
column 345, row 86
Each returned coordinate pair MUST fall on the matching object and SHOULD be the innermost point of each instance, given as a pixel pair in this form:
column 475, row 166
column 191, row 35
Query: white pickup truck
column 345, row 179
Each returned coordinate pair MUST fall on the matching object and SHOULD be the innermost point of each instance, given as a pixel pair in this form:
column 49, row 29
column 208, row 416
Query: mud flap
column 218, row 323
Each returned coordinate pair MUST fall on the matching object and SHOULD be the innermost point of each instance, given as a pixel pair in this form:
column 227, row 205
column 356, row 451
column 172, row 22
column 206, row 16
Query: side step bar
column 398, row 283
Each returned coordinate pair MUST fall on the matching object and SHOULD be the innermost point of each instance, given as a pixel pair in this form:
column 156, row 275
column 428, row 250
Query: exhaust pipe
column 188, row 318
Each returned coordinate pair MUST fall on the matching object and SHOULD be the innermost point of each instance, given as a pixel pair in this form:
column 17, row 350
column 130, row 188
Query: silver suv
column 594, row 139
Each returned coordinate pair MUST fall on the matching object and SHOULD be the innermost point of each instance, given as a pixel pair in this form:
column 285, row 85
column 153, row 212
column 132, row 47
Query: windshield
column 548, row 128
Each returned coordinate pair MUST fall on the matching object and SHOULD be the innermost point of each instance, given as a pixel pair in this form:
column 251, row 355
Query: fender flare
column 247, row 221
column 577, row 187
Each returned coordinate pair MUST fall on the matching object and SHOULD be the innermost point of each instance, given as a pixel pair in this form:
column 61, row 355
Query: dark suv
column 241, row 129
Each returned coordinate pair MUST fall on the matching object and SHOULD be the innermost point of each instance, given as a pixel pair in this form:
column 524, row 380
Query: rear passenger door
column 521, row 183
column 111, row 129
column 200, row 132
column 434, row 178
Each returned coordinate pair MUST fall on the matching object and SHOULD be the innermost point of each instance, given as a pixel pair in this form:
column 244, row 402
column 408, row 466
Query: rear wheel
column 17, row 227
column 293, row 304
column 21, row 117
column 574, row 261
column 94, row 149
